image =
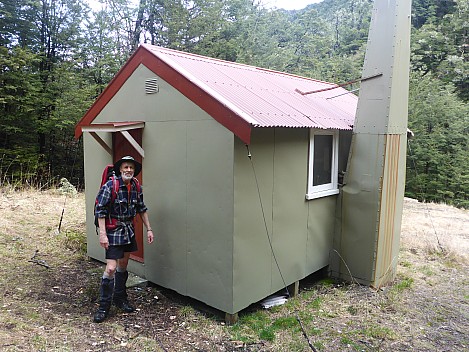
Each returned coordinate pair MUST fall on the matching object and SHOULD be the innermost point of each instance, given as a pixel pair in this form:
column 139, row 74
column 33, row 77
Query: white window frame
column 326, row 189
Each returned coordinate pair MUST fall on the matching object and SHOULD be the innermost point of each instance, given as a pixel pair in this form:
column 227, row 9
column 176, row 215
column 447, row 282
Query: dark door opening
column 122, row 147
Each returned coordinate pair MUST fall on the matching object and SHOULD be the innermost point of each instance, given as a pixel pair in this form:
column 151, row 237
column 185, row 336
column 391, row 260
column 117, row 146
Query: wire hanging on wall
column 273, row 252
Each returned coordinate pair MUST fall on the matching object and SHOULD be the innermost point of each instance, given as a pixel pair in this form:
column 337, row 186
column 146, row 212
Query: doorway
column 121, row 147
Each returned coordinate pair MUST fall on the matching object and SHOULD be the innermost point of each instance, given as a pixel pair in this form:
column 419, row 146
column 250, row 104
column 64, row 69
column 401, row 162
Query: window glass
column 322, row 162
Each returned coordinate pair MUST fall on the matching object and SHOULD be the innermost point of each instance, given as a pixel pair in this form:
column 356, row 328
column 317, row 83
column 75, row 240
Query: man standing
column 117, row 237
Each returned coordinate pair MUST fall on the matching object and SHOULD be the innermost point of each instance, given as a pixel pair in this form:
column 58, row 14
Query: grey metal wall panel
column 358, row 238
column 164, row 170
column 372, row 198
column 382, row 105
column 131, row 103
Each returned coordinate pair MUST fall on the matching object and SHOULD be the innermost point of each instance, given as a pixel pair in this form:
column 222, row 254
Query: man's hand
column 103, row 240
column 150, row 236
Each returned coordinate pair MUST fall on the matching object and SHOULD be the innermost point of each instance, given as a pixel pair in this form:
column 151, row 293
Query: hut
column 241, row 171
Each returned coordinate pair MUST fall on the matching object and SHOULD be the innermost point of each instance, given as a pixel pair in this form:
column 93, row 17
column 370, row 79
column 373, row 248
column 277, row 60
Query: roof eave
column 218, row 109
column 111, row 89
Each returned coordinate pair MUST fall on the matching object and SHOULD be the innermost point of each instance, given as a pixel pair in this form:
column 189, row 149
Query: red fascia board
column 204, row 100
column 198, row 96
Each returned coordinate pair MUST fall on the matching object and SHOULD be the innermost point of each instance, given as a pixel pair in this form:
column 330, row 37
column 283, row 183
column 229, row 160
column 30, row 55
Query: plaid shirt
column 124, row 209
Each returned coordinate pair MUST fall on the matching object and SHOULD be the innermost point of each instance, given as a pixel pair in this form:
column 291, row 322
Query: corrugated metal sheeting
column 265, row 98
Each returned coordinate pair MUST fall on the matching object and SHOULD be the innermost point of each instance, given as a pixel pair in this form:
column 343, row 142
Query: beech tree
column 438, row 154
column 39, row 42
column 57, row 56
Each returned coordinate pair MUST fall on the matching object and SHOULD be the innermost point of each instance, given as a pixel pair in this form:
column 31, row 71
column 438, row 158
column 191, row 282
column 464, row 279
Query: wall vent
column 151, row 86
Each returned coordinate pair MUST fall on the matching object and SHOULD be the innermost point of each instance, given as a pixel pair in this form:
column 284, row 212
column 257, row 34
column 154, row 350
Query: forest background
column 57, row 56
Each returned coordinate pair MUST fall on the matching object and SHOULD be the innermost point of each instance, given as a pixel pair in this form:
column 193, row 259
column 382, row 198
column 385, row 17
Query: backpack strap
column 115, row 188
column 137, row 185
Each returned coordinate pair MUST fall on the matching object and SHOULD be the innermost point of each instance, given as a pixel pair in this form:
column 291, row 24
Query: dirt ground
column 49, row 291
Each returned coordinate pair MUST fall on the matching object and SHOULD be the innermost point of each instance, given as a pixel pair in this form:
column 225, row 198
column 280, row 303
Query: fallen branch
column 136, row 334
column 38, row 261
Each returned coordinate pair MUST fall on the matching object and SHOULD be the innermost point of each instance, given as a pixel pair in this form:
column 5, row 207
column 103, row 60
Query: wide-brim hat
column 129, row 159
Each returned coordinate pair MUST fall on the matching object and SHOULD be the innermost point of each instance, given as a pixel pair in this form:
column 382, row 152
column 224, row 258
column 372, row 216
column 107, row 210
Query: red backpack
column 109, row 174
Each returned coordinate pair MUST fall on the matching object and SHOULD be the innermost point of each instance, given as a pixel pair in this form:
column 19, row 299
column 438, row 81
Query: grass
column 403, row 284
column 406, row 264
column 186, row 311
column 348, row 342
column 268, row 325
column 379, row 332
column 250, row 327
column 260, row 325
column 38, row 311
column 74, row 241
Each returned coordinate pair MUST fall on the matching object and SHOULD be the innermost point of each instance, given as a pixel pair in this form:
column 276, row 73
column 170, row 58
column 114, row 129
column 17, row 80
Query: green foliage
column 267, row 334
column 347, row 341
column 379, row 332
column 440, row 47
column 438, row 154
column 40, row 103
column 56, row 58
column 19, row 95
column 249, row 326
column 429, row 11
column 316, row 303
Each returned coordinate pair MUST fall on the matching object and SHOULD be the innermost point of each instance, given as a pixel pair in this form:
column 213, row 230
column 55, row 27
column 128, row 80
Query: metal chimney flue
column 370, row 213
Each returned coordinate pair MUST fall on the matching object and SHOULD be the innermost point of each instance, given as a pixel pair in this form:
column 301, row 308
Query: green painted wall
column 95, row 159
column 301, row 231
column 188, row 188
column 199, row 185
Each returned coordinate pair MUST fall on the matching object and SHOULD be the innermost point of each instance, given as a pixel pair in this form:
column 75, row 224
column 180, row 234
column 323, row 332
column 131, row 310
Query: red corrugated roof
column 240, row 96
column 267, row 97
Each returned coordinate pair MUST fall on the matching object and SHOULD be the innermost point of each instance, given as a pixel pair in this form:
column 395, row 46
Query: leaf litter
column 50, row 308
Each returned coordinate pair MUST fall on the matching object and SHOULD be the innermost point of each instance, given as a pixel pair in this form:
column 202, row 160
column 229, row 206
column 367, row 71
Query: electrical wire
column 160, row 343
column 272, row 249
column 273, row 252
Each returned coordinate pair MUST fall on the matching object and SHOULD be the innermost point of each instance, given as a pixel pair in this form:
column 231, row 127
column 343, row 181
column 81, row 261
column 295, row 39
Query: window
column 323, row 164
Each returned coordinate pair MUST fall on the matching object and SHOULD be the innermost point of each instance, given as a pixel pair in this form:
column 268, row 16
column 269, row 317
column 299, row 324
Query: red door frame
column 121, row 147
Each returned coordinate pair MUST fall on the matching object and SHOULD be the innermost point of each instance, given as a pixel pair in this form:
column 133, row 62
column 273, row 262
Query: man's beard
column 127, row 177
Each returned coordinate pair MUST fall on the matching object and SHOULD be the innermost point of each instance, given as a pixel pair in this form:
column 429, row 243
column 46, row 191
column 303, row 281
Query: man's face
column 127, row 170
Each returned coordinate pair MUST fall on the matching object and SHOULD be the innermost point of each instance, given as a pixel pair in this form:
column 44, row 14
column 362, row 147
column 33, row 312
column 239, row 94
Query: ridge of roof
column 212, row 92
column 193, row 56
column 238, row 96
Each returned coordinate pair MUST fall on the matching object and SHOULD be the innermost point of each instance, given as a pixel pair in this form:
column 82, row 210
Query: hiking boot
column 106, row 291
column 100, row 315
column 120, row 292
column 125, row 306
